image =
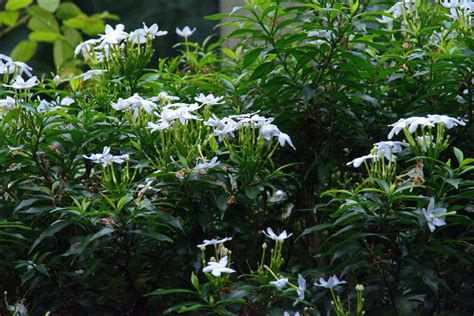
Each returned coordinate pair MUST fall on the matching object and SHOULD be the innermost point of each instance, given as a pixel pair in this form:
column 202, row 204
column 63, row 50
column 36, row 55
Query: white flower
column 388, row 149
column 85, row 48
column 285, row 313
column 207, row 242
column 18, row 309
column 270, row 234
column 358, row 161
column 20, row 83
column 185, row 32
column 214, row 121
column 90, row 74
column 458, row 7
column 217, row 268
column 164, row 97
column 449, row 122
column 433, row 215
column 327, row 35
column 139, row 36
column 179, row 111
column 330, row 283
column 285, row 139
column 45, row 106
column 8, row 66
column 209, row 99
column 410, row 123
column 5, row 58
column 278, row 196
column 57, row 80
column 21, row 68
column 105, row 158
column 67, row 101
column 425, row 142
column 135, row 103
column 6, row 105
column 419, row 121
column 269, row 130
column 205, row 166
column 113, row 36
column 160, row 126
column 301, row 287
column 280, row 283
column 397, row 10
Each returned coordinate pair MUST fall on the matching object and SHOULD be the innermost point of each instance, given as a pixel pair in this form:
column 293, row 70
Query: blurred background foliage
column 45, row 32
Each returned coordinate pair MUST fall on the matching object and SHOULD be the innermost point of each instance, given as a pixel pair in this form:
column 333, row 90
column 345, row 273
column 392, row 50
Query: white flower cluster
column 396, row 11
column 114, row 37
column 106, row 158
column 458, row 8
column 135, row 103
column 323, row 35
column 389, row 149
column 57, row 104
column 228, row 125
column 6, row 105
column 386, row 149
column 412, row 123
column 8, row 66
column 19, row 83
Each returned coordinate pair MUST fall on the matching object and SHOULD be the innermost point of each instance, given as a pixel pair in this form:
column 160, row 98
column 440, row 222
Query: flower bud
column 264, row 245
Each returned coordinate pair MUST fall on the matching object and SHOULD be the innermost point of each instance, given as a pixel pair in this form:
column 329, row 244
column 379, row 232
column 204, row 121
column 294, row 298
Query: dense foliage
column 220, row 182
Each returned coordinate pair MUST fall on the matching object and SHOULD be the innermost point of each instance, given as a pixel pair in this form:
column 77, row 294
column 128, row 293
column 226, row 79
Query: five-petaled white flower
column 358, row 161
column 270, row 234
column 433, row 215
column 280, row 283
column 105, row 158
column 205, row 166
column 6, row 105
column 90, row 74
column 330, row 283
column 19, row 83
column 161, row 126
column 207, row 242
column 301, row 287
column 185, row 32
column 388, row 149
column 448, row 121
column 209, row 99
column 412, row 123
column 139, row 36
column 217, row 268
column 113, row 35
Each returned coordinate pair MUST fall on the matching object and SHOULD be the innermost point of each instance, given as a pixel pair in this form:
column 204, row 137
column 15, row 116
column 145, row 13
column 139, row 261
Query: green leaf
column 50, row 231
column 194, row 281
column 62, row 52
column 42, row 20
column 68, row 10
column 169, row 291
column 152, row 235
column 262, row 71
column 72, row 36
column 48, row 37
column 23, row 51
column 251, row 56
column 315, row 228
column 49, row 5
column 8, row 17
column 13, row 5
column 251, row 192
column 459, row 155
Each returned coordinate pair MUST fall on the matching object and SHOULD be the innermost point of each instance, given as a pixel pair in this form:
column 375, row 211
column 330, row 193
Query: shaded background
column 168, row 14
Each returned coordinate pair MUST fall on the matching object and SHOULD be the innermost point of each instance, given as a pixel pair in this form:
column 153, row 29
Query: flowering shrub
column 116, row 182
